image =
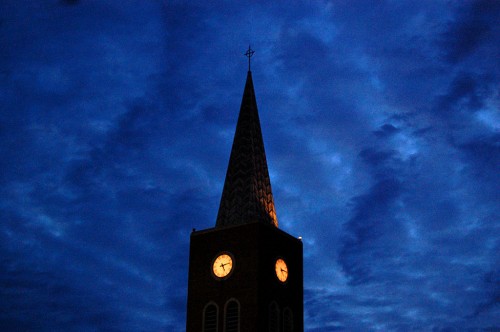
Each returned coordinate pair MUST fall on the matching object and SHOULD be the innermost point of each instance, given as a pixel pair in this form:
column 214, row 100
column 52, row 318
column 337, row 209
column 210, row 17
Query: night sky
column 382, row 131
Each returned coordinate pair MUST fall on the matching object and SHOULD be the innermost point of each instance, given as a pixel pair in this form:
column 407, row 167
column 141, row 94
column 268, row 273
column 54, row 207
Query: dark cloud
column 369, row 234
column 386, row 130
column 474, row 25
column 467, row 93
column 484, row 152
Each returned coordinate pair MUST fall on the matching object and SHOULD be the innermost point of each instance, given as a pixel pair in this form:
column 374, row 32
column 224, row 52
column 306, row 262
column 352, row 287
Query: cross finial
column 249, row 54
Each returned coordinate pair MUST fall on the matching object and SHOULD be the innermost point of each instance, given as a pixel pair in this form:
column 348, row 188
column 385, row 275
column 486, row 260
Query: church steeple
column 244, row 274
column 247, row 195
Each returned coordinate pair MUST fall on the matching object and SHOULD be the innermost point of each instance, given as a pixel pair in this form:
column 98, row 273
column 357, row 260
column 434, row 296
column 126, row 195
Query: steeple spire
column 247, row 195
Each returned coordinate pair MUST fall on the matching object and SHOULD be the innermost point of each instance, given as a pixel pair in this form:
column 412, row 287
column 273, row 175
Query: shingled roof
column 247, row 195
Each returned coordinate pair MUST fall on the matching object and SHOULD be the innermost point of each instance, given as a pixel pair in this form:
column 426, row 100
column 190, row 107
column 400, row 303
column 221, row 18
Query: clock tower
column 245, row 274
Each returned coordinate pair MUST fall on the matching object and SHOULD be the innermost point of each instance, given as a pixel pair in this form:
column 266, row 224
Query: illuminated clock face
column 222, row 265
column 281, row 270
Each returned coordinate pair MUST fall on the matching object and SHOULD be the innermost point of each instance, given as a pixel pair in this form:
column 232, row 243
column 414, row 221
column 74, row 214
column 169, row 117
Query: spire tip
column 249, row 53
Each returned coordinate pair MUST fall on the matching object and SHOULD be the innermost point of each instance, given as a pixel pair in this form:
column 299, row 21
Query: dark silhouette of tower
column 245, row 274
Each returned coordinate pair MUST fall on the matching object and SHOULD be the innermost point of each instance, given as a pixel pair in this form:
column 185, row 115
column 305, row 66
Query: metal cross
column 249, row 54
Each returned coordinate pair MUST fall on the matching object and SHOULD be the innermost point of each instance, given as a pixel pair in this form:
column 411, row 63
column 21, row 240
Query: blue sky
column 381, row 124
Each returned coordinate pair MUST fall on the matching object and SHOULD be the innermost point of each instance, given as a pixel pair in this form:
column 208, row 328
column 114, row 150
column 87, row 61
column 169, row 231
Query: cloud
column 473, row 26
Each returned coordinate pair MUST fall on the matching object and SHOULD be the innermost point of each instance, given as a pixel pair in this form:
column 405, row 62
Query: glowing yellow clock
column 281, row 270
column 222, row 265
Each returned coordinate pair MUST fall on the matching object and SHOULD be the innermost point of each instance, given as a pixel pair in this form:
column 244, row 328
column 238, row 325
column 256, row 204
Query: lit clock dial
column 222, row 265
column 281, row 270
